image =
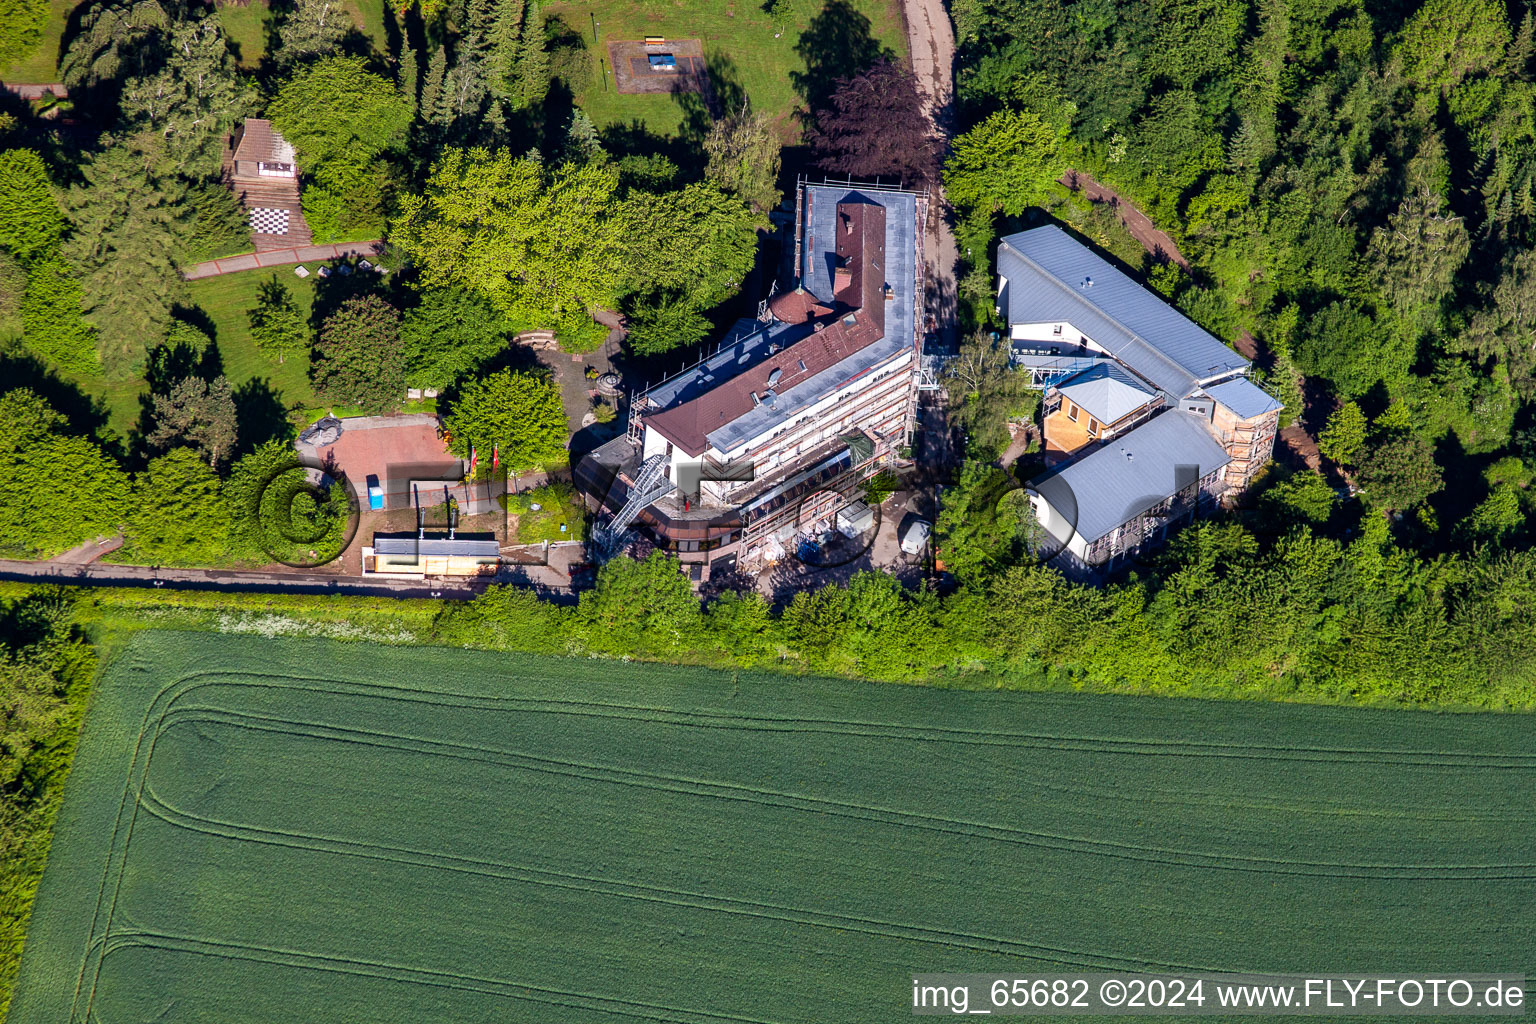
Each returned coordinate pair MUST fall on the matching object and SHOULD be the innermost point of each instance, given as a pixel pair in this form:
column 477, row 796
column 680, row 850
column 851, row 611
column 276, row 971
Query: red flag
column 473, row 458
column 495, row 456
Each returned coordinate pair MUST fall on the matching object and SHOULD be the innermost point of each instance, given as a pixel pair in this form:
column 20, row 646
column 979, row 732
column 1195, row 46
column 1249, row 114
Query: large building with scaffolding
column 737, row 457
column 1148, row 419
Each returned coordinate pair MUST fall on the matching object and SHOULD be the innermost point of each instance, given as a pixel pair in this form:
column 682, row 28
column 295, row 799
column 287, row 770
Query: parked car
column 916, row 537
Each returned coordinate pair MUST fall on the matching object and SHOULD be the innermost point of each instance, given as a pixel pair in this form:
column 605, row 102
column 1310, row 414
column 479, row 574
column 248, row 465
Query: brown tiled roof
column 797, row 306
column 258, row 142
column 857, row 322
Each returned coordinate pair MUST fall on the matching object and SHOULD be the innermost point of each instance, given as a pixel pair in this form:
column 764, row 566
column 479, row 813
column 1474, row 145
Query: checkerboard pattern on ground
column 267, row 221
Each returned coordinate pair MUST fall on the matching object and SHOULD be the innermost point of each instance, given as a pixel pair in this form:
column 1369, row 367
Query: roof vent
column 802, row 366
column 1087, row 282
column 755, row 400
column 773, row 378
column 1128, row 455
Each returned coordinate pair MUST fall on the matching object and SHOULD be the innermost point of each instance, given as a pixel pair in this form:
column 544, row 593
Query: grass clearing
column 228, row 300
column 296, row 829
column 559, row 506
column 41, row 65
column 245, row 25
column 736, row 34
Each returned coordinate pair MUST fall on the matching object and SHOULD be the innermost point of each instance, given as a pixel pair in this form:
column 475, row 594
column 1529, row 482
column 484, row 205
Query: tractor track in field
column 278, row 956
column 170, row 707
column 897, row 730
column 720, row 790
column 531, row 875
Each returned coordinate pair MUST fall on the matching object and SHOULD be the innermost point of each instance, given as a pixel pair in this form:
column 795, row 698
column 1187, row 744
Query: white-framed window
column 1093, row 427
column 1071, row 412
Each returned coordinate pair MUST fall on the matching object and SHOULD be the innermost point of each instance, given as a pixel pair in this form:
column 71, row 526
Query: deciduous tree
column 697, row 242
column 875, row 126
column 661, row 322
column 359, row 359
column 336, row 109
column 514, row 414
column 1006, row 164
column 744, row 157
column 448, row 336
column 541, row 246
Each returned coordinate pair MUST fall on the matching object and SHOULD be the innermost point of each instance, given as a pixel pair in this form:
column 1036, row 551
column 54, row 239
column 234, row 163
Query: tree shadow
column 717, row 94
column 21, row 369
column 168, row 363
column 259, row 416
column 837, row 43
column 340, row 285
column 197, row 317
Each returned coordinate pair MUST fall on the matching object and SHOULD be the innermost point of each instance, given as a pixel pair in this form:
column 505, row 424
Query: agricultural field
column 263, row 830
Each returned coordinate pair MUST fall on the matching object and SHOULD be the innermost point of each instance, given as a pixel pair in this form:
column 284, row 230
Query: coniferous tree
column 505, row 40
column 532, row 60
column 312, row 28
column 128, row 223
column 410, row 76
column 193, row 100
column 432, row 89
column 198, row 412
column 359, row 359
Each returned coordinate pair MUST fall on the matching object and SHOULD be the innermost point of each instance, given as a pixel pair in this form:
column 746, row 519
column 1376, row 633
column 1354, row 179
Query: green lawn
column 559, row 506
column 245, row 25
column 41, row 65
column 736, row 33
column 227, row 301
column 268, row 830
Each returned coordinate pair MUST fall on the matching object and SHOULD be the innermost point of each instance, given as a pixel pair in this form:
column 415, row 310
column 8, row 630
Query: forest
column 1350, row 184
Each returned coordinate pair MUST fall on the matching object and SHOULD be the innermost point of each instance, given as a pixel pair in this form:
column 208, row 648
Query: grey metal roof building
column 1134, row 472
column 1244, row 397
column 411, row 545
column 1106, row 391
column 1049, row 276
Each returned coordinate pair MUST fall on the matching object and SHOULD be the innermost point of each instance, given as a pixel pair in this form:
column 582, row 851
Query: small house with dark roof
column 791, row 414
column 258, row 151
column 1148, row 418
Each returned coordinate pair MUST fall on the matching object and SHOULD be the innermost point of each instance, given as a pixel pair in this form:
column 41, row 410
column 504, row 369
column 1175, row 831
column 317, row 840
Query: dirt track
column 931, row 40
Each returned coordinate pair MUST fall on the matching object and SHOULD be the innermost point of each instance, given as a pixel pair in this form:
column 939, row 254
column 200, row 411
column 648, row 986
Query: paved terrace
column 281, row 258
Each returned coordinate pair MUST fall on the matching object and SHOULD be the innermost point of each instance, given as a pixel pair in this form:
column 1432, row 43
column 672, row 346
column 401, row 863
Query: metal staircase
column 649, row 486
